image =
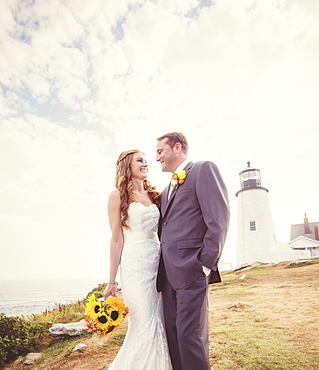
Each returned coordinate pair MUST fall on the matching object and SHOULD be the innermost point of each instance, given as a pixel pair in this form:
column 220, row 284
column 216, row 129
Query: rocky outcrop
column 72, row 329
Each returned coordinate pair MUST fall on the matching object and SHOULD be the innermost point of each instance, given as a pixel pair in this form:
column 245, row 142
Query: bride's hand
column 110, row 290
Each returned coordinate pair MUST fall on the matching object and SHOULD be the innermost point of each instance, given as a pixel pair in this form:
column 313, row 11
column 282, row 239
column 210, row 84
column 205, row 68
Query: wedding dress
column 145, row 345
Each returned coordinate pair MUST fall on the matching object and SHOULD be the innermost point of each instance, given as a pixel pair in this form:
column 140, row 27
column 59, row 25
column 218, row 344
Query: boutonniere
column 178, row 178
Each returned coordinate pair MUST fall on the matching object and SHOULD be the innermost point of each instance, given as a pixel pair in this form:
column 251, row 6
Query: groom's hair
column 175, row 137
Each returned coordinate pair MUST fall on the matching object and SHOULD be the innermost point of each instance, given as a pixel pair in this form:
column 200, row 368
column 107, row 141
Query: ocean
column 34, row 296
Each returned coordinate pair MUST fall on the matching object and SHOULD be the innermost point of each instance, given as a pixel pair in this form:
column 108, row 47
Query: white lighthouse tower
column 256, row 239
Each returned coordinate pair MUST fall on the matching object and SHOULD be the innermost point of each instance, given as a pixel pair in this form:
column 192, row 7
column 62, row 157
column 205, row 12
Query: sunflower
column 101, row 320
column 93, row 307
column 116, row 316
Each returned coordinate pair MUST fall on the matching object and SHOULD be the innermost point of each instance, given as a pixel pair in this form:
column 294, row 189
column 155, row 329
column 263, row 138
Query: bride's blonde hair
column 123, row 182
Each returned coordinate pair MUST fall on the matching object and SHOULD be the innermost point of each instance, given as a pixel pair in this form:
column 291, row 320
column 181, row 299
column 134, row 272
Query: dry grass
column 267, row 320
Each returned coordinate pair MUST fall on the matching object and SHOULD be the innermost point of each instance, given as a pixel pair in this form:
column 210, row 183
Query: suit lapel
column 174, row 191
column 164, row 200
column 170, row 198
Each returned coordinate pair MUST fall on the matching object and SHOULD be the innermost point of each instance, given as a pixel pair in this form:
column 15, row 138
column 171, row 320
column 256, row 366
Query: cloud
column 55, row 184
column 47, row 163
column 80, row 84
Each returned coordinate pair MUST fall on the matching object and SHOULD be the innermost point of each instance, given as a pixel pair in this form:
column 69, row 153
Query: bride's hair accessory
column 124, row 155
column 104, row 316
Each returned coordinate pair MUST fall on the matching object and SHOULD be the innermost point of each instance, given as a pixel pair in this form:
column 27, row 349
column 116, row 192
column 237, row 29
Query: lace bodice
column 143, row 222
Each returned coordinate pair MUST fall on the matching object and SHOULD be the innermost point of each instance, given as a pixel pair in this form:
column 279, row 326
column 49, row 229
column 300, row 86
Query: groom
column 194, row 223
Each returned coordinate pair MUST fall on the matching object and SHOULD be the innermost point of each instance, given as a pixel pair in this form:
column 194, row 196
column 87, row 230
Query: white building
column 304, row 240
column 256, row 239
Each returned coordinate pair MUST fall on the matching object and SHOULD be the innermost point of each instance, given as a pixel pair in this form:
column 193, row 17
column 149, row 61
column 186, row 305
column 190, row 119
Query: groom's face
column 166, row 156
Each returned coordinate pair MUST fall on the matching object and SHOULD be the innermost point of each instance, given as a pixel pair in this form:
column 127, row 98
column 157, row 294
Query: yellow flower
column 115, row 316
column 101, row 320
column 182, row 175
column 178, row 178
column 91, row 298
column 115, row 302
column 93, row 307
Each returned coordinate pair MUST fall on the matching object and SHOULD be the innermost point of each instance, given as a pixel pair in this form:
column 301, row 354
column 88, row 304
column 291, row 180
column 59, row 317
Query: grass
column 261, row 332
column 267, row 321
column 59, row 346
column 62, row 313
column 118, row 337
column 253, row 343
column 236, row 294
column 261, row 272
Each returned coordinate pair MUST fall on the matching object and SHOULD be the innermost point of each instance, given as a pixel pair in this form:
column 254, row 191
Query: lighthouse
column 256, row 239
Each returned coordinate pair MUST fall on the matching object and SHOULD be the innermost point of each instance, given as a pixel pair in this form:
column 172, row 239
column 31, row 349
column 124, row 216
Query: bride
column 133, row 216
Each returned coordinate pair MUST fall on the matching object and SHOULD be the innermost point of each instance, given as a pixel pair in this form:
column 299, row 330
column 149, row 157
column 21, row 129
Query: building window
column 315, row 252
column 252, row 225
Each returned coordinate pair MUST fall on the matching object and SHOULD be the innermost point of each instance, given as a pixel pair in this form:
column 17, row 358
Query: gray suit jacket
column 193, row 227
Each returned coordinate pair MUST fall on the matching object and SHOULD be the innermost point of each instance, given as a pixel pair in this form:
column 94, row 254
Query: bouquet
column 104, row 316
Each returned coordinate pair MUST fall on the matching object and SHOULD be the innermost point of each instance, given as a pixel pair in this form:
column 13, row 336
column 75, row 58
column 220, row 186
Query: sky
column 82, row 81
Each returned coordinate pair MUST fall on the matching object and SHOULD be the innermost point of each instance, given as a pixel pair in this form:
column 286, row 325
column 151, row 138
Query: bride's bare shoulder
column 114, row 197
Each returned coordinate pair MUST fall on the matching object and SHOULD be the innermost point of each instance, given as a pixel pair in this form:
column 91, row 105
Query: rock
column 237, row 305
column 31, row 357
column 298, row 262
column 247, row 266
column 242, row 267
column 72, row 329
column 242, row 277
column 258, row 263
column 78, row 347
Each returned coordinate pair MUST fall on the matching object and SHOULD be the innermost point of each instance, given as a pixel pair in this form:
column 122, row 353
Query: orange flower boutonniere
column 178, row 178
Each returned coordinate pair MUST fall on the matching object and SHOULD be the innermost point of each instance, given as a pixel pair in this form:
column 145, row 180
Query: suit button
column 165, row 223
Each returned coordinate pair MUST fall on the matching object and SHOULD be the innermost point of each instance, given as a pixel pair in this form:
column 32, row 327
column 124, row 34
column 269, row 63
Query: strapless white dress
column 145, row 345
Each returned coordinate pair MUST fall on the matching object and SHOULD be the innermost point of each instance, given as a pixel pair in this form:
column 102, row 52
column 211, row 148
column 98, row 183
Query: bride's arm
column 116, row 246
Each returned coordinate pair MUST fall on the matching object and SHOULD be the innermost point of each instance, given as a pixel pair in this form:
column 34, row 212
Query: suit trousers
column 186, row 322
